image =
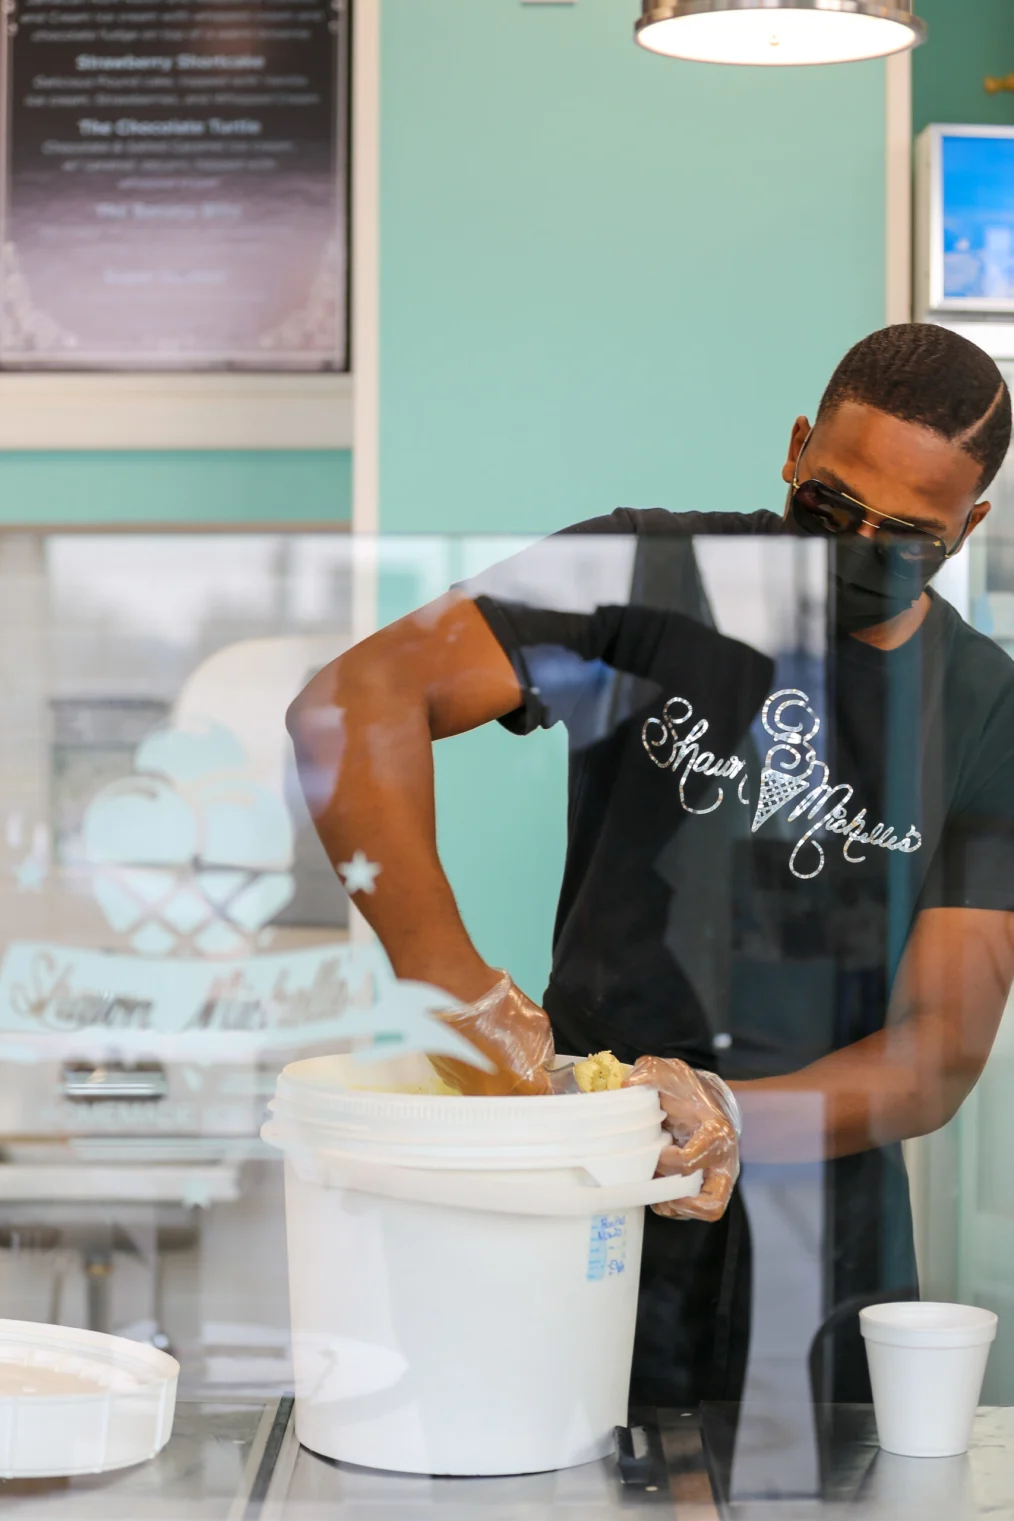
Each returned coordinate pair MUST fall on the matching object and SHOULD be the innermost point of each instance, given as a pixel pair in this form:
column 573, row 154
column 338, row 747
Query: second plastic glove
column 509, row 1029
column 704, row 1120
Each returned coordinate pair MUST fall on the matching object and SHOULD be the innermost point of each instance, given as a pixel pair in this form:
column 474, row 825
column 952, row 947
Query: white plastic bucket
column 927, row 1363
column 462, row 1271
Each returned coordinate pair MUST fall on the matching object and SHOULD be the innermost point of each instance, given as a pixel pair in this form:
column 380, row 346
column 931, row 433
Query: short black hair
column 926, row 374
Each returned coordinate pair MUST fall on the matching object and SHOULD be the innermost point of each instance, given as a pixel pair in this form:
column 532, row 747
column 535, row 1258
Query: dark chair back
column 822, row 1380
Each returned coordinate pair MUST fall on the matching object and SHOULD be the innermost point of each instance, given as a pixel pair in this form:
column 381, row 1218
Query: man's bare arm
column 911, row 1077
column 363, row 731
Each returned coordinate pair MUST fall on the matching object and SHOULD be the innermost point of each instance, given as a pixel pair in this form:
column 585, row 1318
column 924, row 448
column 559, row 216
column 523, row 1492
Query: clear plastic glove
column 704, row 1120
column 512, row 1032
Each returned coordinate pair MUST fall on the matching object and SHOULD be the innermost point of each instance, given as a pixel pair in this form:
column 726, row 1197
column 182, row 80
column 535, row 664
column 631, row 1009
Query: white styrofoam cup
column 927, row 1363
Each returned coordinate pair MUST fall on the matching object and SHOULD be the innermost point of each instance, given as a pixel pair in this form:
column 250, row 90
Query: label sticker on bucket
column 607, row 1247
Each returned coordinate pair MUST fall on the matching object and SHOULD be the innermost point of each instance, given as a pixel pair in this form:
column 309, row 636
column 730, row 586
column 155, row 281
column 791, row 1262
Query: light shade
column 778, row 31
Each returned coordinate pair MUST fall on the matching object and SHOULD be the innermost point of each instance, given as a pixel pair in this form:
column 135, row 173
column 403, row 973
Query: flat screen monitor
column 965, row 220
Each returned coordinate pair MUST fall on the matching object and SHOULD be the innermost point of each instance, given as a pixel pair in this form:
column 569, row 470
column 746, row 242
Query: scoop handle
column 562, row 1080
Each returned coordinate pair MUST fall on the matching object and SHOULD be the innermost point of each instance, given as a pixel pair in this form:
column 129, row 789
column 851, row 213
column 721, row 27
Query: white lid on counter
column 77, row 1402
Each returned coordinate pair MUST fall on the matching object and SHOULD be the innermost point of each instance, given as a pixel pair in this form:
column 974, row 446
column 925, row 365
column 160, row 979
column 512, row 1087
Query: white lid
column 74, row 1401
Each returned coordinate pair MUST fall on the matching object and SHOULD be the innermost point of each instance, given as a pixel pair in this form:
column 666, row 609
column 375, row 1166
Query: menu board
column 174, row 184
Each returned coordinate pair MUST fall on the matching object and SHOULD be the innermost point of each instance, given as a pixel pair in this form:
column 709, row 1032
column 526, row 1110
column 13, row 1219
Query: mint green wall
column 968, row 40
column 605, row 278
column 199, row 486
column 605, row 274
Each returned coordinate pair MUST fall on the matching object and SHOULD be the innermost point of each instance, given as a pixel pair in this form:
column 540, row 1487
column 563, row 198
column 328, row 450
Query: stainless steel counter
column 204, row 1474
column 240, row 1461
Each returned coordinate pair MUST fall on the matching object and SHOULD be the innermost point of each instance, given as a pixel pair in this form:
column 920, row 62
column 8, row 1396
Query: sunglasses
column 820, row 509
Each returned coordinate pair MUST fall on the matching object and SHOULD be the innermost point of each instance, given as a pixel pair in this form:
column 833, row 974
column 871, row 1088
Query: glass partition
column 963, row 1207
column 680, row 798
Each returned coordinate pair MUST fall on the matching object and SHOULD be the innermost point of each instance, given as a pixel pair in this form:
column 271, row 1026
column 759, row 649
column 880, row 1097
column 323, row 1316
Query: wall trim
column 365, row 336
column 898, row 188
column 174, row 411
column 365, row 315
column 898, row 251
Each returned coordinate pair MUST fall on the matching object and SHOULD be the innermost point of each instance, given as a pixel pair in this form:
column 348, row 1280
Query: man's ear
column 979, row 511
column 800, row 433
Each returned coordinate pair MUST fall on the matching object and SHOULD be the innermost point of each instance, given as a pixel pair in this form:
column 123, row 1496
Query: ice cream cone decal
column 776, row 789
column 789, row 719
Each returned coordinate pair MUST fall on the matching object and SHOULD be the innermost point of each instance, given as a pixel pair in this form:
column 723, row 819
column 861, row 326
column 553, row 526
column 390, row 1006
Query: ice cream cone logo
column 776, row 789
column 789, row 719
column 190, row 854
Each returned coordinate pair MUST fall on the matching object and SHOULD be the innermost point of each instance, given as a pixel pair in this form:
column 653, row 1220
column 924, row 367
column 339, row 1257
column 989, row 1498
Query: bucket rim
column 313, row 1102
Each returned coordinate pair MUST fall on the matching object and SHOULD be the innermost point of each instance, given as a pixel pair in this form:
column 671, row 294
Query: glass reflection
column 174, row 932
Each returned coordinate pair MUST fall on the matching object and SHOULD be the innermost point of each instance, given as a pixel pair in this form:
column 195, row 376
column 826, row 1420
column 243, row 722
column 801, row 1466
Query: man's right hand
column 513, row 1032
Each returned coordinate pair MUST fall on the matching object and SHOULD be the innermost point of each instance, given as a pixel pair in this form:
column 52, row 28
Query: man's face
column 894, row 467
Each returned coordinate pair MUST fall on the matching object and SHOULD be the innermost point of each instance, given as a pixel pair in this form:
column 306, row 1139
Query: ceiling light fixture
column 778, row 31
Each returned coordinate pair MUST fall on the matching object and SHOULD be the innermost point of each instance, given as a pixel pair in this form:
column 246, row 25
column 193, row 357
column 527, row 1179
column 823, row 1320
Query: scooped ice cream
column 601, row 1073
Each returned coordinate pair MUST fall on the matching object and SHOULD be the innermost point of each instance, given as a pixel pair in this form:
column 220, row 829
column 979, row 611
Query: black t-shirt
column 753, row 827
column 749, row 839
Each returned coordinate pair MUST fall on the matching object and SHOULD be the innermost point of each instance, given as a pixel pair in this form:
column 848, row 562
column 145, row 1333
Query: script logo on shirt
column 792, row 773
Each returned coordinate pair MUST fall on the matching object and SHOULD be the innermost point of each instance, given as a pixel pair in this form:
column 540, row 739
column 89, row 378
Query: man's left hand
column 703, row 1119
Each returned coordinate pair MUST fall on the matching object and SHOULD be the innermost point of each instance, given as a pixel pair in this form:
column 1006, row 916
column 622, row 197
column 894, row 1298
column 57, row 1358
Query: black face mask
column 872, row 582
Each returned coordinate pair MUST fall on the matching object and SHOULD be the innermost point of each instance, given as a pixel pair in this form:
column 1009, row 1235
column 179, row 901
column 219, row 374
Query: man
column 869, row 944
